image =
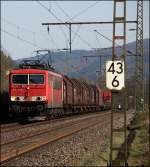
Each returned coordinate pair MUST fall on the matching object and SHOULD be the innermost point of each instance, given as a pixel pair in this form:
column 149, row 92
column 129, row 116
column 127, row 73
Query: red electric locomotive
column 40, row 91
column 33, row 90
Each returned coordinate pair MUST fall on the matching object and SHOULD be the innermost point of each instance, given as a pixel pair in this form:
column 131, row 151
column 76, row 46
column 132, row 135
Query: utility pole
column 116, row 95
column 139, row 59
column 140, row 99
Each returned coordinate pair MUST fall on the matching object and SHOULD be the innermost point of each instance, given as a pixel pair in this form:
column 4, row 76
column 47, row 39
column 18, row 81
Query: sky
column 22, row 32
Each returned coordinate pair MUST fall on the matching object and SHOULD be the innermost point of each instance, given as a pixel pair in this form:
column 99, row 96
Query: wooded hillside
column 5, row 65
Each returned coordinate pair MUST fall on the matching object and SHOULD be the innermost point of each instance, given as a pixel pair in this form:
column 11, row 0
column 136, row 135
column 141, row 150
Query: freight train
column 37, row 91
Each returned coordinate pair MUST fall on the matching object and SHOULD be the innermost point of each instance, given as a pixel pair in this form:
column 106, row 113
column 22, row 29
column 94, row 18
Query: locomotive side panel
column 54, row 91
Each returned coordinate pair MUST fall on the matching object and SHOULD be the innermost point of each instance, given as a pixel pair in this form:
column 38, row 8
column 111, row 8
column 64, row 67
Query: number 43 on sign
column 115, row 75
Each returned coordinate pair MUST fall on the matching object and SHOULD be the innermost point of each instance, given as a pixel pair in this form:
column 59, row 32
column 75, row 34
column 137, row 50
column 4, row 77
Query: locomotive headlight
column 38, row 98
column 17, row 98
column 12, row 98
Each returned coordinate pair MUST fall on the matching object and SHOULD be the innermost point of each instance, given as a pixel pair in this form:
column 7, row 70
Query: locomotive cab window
column 20, row 79
column 36, row 79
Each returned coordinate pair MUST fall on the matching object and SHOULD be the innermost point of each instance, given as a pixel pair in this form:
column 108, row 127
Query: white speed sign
column 115, row 75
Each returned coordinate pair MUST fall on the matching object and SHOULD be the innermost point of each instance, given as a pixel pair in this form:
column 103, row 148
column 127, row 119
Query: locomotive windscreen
column 23, row 79
column 20, row 79
column 36, row 79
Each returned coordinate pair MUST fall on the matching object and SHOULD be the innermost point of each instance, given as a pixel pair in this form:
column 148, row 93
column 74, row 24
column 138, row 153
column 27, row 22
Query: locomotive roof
column 27, row 70
column 35, row 71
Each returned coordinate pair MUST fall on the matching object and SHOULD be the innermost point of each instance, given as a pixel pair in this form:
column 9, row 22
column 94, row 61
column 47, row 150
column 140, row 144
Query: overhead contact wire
column 84, row 10
column 18, row 37
column 116, row 43
column 65, row 25
column 53, row 16
column 27, row 30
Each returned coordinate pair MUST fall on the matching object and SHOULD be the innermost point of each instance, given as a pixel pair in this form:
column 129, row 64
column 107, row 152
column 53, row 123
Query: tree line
column 5, row 66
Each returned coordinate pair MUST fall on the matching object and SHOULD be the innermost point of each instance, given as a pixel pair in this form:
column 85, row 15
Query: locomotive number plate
column 115, row 79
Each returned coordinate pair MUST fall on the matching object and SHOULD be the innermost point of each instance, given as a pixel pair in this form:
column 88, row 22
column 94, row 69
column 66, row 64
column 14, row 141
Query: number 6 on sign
column 115, row 75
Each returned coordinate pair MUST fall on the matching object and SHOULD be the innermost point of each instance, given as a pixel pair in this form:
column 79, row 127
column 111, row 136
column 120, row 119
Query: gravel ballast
column 26, row 131
column 69, row 151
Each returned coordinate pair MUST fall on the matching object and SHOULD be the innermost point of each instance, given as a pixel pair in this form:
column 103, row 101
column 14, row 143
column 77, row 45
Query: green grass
column 100, row 158
column 139, row 151
column 95, row 159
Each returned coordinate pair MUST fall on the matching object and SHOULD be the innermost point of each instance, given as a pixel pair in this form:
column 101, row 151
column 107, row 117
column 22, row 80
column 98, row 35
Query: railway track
column 62, row 122
column 9, row 125
column 16, row 126
column 22, row 145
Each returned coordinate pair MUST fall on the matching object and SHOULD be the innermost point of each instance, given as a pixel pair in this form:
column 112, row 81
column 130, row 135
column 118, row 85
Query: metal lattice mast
column 117, row 95
column 139, row 58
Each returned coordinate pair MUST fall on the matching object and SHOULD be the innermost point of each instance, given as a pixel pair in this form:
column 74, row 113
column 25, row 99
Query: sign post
column 115, row 79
